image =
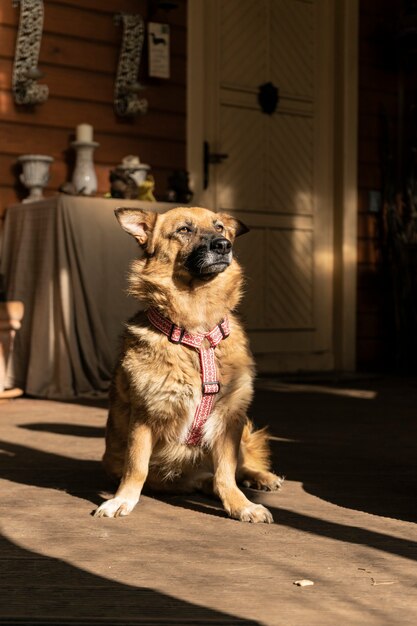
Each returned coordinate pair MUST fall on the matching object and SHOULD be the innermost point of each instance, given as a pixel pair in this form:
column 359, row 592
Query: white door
column 277, row 177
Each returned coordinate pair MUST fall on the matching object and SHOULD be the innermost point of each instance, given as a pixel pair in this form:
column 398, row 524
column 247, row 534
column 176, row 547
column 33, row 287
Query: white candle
column 84, row 132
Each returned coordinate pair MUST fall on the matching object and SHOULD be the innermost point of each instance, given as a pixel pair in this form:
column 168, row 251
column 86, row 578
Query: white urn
column 35, row 174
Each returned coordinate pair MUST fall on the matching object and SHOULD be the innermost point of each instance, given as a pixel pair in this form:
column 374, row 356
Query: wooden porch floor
column 344, row 519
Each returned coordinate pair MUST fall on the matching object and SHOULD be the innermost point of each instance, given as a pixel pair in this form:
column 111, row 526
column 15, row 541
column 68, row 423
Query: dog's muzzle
column 211, row 257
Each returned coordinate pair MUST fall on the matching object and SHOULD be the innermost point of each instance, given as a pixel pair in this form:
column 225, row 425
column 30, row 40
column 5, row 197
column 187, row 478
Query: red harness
column 211, row 385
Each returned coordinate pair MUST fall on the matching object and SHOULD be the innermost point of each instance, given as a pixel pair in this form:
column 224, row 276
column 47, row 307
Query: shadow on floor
column 45, row 590
column 59, row 428
column 86, row 479
column 352, row 452
column 78, row 477
column 308, row 524
column 355, row 452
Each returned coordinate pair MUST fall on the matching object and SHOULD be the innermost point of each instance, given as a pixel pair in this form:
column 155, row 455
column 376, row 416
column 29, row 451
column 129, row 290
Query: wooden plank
column 109, row 6
column 73, row 84
column 63, row 51
column 368, row 226
column 371, row 101
column 60, row 113
column 370, row 125
column 8, row 196
column 369, row 278
column 369, row 352
column 369, row 151
column 53, row 141
column 376, row 8
column 99, row 87
column 369, row 325
column 369, row 175
column 177, row 16
column 87, row 24
column 369, row 252
column 375, row 77
column 59, row 50
column 363, row 201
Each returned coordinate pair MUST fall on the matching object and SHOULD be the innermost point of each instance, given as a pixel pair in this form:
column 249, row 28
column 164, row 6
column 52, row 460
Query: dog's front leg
column 138, row 454
column 225, row 459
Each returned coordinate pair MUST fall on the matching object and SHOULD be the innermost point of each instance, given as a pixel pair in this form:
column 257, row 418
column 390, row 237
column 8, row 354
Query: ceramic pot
column 35, row 174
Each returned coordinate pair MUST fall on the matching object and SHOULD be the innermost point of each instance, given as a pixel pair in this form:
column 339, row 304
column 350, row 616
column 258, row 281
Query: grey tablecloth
column 67, row 259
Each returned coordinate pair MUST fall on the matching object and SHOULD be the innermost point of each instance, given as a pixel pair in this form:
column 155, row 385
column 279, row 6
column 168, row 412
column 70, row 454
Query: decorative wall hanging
column 35, row 174
column 158, row 50
column 126, row 101
column 28, row 43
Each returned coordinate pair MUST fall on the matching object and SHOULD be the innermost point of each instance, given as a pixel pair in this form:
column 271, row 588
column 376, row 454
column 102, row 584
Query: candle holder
column 35, row 174
column 84, row 177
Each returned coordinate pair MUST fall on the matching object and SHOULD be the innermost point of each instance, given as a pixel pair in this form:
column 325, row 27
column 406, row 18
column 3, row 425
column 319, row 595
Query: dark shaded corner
column 358, row 453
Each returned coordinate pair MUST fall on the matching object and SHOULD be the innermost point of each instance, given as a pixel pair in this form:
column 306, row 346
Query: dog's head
column 195, row 241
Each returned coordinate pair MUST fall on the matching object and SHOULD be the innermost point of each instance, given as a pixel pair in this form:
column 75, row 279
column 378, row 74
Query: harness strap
column 210, row 384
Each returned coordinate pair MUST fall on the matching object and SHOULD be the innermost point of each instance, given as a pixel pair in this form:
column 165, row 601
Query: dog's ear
column 236, row 226
column 137, row 222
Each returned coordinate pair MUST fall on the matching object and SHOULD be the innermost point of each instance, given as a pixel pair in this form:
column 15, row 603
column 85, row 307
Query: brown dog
column 183, row 383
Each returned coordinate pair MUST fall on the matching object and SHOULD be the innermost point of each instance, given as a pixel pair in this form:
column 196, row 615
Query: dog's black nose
column 220, row 245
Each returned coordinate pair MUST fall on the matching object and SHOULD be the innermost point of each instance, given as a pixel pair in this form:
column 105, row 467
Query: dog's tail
column 254, row 449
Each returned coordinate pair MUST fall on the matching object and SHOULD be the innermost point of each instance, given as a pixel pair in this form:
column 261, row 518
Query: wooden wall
column 79, row 55
column 378, row 89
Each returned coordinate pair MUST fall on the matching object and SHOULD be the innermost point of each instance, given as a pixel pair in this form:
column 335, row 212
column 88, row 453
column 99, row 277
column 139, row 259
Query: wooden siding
column 377, row 88
column 79, row 55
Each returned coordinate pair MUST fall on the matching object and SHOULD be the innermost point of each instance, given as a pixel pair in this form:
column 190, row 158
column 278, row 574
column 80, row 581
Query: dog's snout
column 211, row 256
column 221, row 245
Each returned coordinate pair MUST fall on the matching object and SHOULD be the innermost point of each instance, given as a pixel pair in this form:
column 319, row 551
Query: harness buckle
column 171, row 333
column 209, row 392
column 223, row 332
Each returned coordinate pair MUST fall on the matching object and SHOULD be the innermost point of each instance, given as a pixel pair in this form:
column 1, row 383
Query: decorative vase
column 84, row 177
column 11, row 314
column 35, row 174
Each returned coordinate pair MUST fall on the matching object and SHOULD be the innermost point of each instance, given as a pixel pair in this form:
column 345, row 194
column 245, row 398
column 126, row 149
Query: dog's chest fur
column 164, row 380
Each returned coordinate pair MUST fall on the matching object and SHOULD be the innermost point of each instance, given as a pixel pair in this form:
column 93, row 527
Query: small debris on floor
column 383, row 582
column 303, row 583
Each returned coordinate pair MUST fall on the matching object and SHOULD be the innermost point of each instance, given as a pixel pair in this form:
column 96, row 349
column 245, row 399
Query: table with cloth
column 66, row 258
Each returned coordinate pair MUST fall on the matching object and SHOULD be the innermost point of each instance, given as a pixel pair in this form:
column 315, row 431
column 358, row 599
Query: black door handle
column 210, row 158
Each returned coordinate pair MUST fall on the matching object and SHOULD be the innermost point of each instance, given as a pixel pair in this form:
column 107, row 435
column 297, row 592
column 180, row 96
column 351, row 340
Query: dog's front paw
column 256, row 514
column 115, row 507
column 265, row 481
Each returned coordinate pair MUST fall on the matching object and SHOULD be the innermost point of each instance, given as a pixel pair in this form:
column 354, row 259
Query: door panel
column 250, row 254
column 278, row 174
column 241, row 178
column 292, row 45
column 289, row 280
column 290, row 164
column 243, row 56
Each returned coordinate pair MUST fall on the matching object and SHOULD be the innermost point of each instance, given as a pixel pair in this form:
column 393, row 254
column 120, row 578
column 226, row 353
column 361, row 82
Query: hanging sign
column 158, row 45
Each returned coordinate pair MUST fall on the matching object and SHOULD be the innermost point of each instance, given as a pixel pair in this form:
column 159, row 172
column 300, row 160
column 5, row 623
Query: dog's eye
column 219, row 228
column 184, row 230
